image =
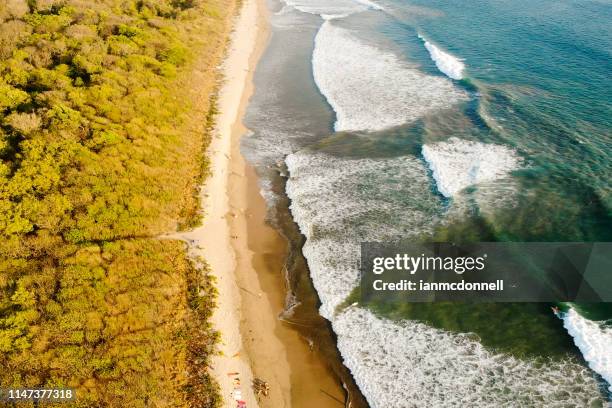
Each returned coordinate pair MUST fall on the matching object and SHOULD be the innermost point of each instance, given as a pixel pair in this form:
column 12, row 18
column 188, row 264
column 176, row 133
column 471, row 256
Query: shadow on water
column 530, row 330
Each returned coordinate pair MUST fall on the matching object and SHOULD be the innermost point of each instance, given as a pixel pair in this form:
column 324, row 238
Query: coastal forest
column 106, row 109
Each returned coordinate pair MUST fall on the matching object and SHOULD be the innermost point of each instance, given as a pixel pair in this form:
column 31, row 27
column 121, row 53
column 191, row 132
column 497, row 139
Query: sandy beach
column 247, row 256
column 212, row 241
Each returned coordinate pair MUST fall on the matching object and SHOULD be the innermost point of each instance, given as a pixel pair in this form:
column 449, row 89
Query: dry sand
column 246, row 255
column 212, row 240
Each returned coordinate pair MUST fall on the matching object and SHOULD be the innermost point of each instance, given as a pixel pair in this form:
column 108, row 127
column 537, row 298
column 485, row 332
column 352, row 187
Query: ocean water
column 435, row 120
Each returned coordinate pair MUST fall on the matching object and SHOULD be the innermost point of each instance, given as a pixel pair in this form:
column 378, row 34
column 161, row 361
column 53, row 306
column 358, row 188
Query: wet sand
column 297, row 375
column 247, row 256
column 259, row 273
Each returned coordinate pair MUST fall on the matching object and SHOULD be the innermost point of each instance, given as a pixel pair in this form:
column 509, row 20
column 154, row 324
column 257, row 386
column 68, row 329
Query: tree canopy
column 105, row 111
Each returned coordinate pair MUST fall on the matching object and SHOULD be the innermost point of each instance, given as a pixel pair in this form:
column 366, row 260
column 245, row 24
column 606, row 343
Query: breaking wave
column 371, row 89
column 457, row 164
column 339, row 202
column 332, row 9
column 410, row 364
column 448, row 64
column 594, row 342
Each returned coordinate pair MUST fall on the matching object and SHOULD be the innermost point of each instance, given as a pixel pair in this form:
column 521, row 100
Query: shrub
column 101, row 138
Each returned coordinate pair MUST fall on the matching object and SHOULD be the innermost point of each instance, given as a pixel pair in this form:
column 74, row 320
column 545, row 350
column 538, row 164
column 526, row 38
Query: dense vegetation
column 105, row 109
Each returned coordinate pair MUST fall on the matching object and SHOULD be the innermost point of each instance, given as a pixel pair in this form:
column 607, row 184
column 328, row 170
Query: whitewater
column 403, row 363
column 594, row 341
column 332, row 9
column 447, row 63
column 338, row 202
column 371, row 89
column 457, row 164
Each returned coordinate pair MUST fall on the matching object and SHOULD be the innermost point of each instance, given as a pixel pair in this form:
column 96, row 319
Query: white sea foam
column 339, row 202
column 457, row 164
column 370, row 88
column 448, row 64
column 594, row 342
column 334, row 8
column 370, row 4
column 410, row 364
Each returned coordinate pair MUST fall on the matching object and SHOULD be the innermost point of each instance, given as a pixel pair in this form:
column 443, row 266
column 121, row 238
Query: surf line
column 448, row 64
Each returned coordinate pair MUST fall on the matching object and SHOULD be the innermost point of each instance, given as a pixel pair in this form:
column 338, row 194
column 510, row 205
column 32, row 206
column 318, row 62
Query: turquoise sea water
column 542, row 72
column 438, row 120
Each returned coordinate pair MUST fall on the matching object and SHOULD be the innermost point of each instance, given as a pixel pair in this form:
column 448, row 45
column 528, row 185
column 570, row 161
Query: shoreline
column 298, row 376
column 247, row 256
column 212, row 240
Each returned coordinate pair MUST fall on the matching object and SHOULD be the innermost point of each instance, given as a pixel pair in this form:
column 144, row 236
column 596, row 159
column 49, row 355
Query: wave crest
column 594, row 342
column 371, row 89
column 332, row 9
column 448, row 64
column 457, row 164
column 409, row 364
